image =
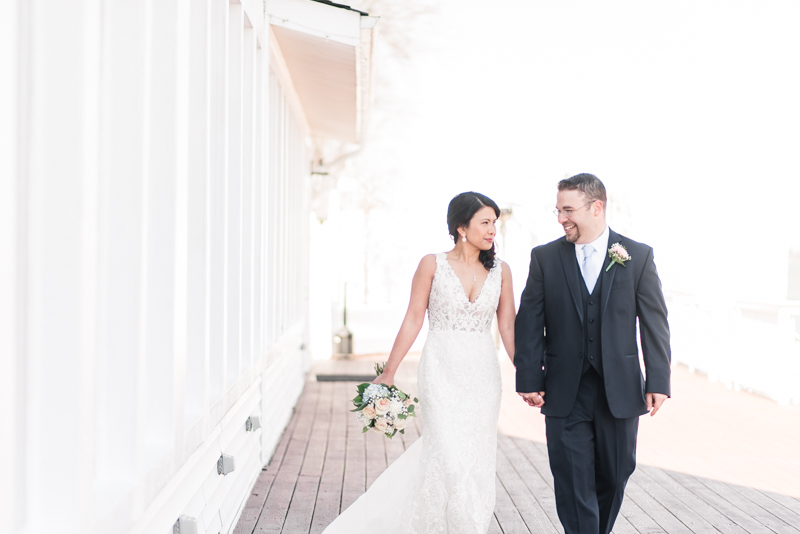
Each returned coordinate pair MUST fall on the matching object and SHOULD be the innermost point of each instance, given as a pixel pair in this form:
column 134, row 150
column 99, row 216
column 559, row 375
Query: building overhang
column 327, row 49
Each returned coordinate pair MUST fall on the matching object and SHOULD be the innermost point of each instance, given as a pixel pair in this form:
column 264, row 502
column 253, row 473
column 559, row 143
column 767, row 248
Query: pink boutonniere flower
column 618, row 254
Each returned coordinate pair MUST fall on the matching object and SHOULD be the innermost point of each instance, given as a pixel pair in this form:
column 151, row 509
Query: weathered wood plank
column 751, row 508
column 642, row 484
column 301, row 510
column 494, row 526
column 654, row 509
column 329, row 495
column 355, row 462
column 258, row 496
column 375, row 452
column 506, row 513
column 318, row 439
column 739, row 517
column 622, row 526
column 394, row 448
column 765, row 500
column 280, row 495
column 538, row 476
column 720, row 521
column 638, row 519
column 526, row 487
column 785, row 500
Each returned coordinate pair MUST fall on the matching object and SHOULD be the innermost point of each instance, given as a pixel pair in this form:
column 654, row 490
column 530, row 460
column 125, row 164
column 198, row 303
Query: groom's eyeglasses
column 567, row 213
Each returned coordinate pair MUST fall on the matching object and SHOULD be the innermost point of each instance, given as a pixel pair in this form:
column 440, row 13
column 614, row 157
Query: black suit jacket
column 549, row 329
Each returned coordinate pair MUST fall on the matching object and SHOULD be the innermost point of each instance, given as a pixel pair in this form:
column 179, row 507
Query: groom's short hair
column 588, row 184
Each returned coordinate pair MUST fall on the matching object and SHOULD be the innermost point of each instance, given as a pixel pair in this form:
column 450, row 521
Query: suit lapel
column 573, row 275
column 608, row 276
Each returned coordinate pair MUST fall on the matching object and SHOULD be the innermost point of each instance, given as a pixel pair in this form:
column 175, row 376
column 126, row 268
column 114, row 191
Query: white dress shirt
column 600, row 251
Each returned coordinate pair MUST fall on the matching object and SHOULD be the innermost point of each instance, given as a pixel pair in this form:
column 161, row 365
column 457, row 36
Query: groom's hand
column 535, row 399
column 654, row 402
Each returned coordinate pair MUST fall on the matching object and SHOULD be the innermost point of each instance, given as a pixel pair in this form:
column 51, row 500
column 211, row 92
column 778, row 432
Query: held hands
column 535, row 399
column 654, row 402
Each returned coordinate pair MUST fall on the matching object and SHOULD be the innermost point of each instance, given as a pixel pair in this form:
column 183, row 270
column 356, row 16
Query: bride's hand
column 384, row 378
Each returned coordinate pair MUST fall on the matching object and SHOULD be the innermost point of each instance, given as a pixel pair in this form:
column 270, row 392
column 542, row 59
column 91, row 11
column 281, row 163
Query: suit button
column 591, row 320
column 591, row 339
column 591, row 357
column 591, row 302
column 580, row 355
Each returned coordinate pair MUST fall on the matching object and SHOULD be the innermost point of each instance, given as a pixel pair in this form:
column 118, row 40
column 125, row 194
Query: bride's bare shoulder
column 427, row 264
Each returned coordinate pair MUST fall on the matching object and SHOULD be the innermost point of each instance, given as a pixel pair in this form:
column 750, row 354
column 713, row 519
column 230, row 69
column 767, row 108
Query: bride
column 445, row 481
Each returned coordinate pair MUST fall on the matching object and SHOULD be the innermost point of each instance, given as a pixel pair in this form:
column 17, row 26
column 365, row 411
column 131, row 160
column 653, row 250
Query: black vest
column 592, row 349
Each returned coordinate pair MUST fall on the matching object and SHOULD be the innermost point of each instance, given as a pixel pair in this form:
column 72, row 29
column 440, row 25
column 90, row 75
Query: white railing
column 748, row 345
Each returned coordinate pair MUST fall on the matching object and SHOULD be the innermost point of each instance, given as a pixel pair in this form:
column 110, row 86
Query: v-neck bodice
column 466, row 293
column 449, row 307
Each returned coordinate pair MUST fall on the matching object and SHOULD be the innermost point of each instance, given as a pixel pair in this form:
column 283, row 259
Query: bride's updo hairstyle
column 460, row 212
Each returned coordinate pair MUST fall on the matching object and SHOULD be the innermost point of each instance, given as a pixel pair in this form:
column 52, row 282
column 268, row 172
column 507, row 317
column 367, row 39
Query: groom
column 576, row 345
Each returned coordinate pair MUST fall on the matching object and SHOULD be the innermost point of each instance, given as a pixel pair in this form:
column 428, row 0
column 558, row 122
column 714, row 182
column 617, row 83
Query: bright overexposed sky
column 688, row 111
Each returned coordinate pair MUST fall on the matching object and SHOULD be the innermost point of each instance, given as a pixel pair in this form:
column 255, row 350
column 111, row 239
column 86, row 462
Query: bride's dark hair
column 461, row 210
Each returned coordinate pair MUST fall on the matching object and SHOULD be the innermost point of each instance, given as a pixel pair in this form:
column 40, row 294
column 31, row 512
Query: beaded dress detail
column 445, row 481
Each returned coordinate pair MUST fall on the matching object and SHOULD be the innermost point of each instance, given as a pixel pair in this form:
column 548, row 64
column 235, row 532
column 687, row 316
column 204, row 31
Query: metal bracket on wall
column 185, row 525
column 253, row 423
column 226, row 464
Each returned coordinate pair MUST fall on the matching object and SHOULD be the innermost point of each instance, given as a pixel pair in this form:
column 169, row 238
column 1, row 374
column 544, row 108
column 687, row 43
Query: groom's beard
column 572, row 238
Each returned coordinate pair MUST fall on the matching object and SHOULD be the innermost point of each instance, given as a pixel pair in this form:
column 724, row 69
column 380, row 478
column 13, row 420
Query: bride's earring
column 464, row 238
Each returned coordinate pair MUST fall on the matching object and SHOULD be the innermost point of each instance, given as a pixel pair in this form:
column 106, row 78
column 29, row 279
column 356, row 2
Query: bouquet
column 384, row 409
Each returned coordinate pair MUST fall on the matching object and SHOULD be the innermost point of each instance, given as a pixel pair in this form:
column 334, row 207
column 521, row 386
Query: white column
column 120, row 246
column 198, row 150
column 155, row 387
column 12, row 444
column 183, row 43
column 259, row 183
column 248, row 76
column 60, row 228
column 234, row 196
column 217, row 198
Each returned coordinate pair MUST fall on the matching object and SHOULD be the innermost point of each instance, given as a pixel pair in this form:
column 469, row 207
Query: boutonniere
column 618, row 254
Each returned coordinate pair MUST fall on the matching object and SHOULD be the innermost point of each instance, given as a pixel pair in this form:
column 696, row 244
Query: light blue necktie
column 588, row 269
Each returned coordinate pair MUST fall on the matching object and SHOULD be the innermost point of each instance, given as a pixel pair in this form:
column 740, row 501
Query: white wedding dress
column 444, row 482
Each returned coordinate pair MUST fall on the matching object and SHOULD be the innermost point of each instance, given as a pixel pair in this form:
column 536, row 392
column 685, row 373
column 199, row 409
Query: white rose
column 400, row 424
column 396, row 407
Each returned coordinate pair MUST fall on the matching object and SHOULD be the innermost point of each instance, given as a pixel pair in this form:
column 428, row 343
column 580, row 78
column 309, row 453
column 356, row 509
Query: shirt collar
column 600, row 244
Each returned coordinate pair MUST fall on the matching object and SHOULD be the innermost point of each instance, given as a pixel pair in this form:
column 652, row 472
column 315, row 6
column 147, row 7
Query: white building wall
column 153, row 280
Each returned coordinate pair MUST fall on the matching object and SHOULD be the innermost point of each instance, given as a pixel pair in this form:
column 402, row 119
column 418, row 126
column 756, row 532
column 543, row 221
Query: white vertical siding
column 154, row 235
column 12, row 486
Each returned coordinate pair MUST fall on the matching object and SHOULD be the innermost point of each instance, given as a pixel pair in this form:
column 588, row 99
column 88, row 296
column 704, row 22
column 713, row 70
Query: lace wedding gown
column 445, row 481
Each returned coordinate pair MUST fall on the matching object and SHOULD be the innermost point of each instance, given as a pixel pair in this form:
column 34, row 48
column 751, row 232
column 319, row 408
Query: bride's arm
column 506, row 313
column 412, row 323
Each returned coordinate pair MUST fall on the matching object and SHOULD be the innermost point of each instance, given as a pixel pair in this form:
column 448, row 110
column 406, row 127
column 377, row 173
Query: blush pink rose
column 407, row 403
column 382, row 406
column 381, row 424
column 400, row 424
column 620, row 251
column 369, row 412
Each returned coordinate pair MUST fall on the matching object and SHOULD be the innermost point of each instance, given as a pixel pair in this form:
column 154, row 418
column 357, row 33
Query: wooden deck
column 324, row 462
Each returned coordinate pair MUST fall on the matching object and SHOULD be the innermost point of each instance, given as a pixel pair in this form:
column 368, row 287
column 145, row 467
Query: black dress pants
column 592, row 455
